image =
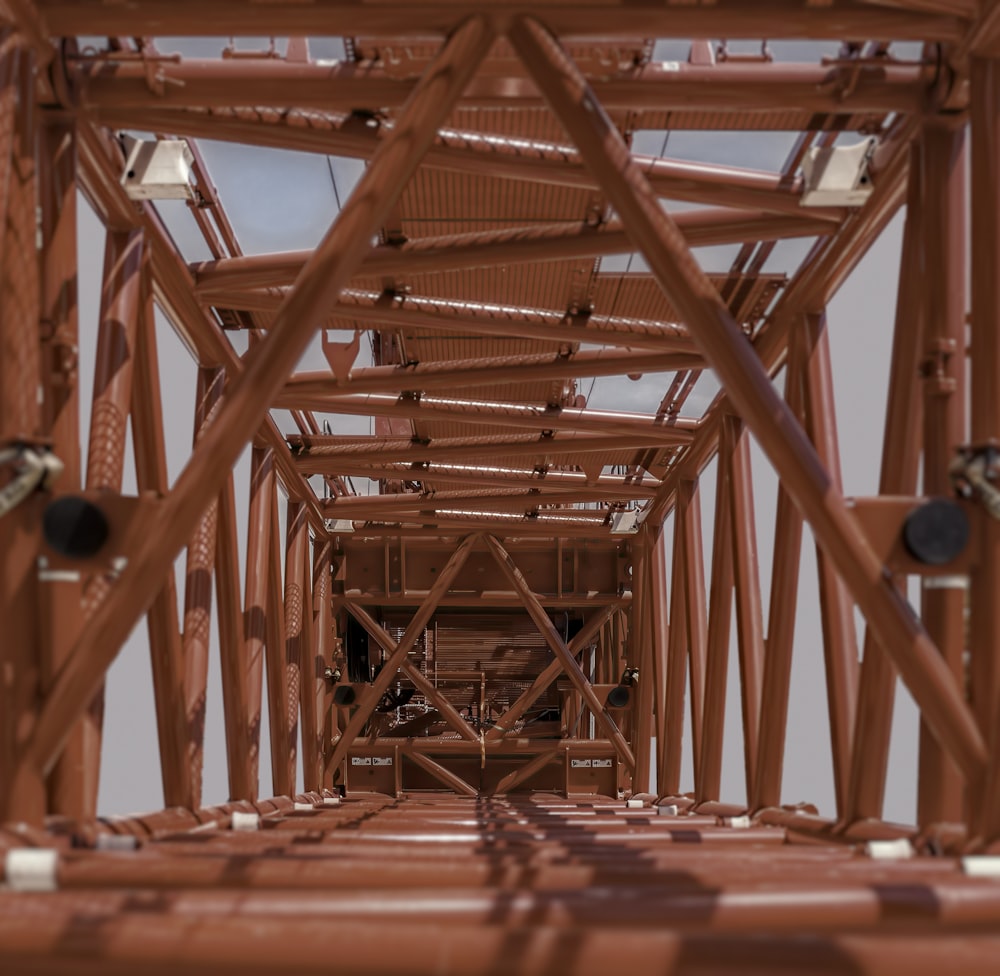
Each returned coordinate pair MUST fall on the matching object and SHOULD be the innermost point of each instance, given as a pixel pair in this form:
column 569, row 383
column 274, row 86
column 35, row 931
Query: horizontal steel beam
column 678, row 430
column 524, row 245
column 358, row 507
column 795, row 19
column 435, row 315
column 334, row 447
column 122, row 82
column 481, row 373
column 612, row 488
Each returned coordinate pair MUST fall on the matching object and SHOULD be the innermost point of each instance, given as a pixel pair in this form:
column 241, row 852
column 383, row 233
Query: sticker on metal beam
column 738, row 823
column 31, row 869
column 304, row 807
column 245, row 821
column 117, row 842
column 945, row 582
column 331, row 801
column 889, row 850
column 633, row 804
column 981, row 866
column 667, row 810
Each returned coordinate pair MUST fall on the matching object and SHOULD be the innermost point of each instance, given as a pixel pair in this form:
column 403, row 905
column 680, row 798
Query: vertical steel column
column 642, row 726
column 984, row 593
column 198, row 590
column 777, row 676
column 255, row 605
column 115, row 360
column 299, row 681
column 840, row 641
column 322, row 651
column 661, row 644
column 669, row 778
column 281, row 704
column 162, row 625
column 749, row 387
column 20, row 424
column 749, row 614
column 232, row 661
column 694, row 610
column 900, row 461
column 708, row 773
column 939, row 785
column 61, row 598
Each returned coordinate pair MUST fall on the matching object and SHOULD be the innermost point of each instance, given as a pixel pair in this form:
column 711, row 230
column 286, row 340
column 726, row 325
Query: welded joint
column 899, row 849
column 31, row 869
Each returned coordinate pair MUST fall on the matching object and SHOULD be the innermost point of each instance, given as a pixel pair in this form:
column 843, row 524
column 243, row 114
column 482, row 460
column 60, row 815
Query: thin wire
column 333, row 180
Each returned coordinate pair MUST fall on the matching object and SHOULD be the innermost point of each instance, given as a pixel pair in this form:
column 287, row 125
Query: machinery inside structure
column 475, row 594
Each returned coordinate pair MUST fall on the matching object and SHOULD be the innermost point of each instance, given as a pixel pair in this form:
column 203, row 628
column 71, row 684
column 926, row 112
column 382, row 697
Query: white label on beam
column 31, row 869
column 889, row 850
column 361, row 760
column 580, row 763
column 244, row 821
column 981, row 866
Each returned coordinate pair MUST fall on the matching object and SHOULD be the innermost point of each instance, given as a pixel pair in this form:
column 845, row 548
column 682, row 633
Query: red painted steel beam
column 795, row 19
column 333, row 447
column 522, row 245
column 250, row 393
column 525, row 416
column 749, row 386
column 390, row 506
column 110, row 81
column 467, row 152
column 463, row 373
column 506, row 526
column 566, row 481
column 459, row 317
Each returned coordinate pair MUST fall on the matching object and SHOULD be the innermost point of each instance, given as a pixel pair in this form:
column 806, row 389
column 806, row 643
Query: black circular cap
column 619, row 696
column 936, row 532
column 343, row 695
column 75, row 527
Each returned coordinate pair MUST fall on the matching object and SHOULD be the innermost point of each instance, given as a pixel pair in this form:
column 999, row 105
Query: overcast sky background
column 281, row 200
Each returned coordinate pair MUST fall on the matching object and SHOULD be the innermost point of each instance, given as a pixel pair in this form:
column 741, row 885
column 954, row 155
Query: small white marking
column 981, row 866
column 59, row 575
column 303, row 807
column 117, row 842
column 667, row 810
column 245, row 821
column 738, row 823
column 633, row 804
column 945, row 582
column 889, row 850
column 31, row 869
column 331, row 801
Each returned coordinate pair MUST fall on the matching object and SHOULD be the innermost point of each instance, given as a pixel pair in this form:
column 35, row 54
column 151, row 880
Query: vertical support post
column 900, row 461
column 939, row 783
column 20, row 424
column 280, row 704
column 198, row 590
column 60, row 597
column 694, row 610
column 115, row 360
column 233, row 664
column 749, row 615
column 163, row 627
column 840, row 642
column 708, row 773
column 296, row 546
column 669, row 778
column 642, row 727
column 322, row 652
column 255, row 604
column 661, row 642
column 984, row 592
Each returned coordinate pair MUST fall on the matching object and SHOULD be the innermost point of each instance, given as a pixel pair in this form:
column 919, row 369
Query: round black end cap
column 937, row 532
column 343, row 695
column 75, row 527
column 619, row 697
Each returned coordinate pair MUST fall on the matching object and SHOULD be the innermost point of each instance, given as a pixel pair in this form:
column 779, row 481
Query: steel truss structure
column 492, row 654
